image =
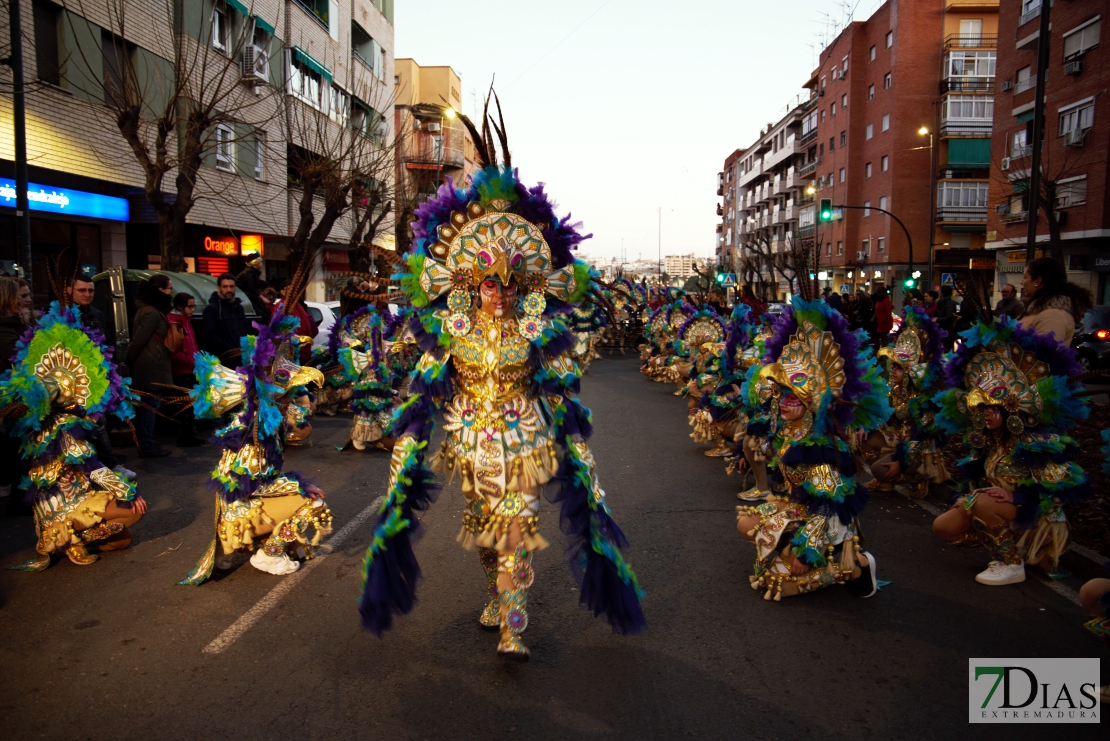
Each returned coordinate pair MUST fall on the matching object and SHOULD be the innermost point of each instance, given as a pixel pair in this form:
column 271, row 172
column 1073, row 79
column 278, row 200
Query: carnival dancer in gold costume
column 492, row 280
column 61, row 385
column 820, row 386
column 1012, row 398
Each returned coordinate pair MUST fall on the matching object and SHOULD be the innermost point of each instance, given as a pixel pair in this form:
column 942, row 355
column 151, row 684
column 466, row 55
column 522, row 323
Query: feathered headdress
column 699, row 328
column 917, row 347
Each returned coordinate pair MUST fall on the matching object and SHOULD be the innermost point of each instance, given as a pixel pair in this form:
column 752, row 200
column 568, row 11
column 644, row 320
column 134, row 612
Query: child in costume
column 61, row 385
column 716, row 417
column 255, row 498
column 1010, row 396
column 821, row 385
column 491, row 279
column 905, row 452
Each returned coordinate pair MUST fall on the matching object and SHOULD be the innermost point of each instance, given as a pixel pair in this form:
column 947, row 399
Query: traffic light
column 826, row 212
column 910, row 282
column 720, row 277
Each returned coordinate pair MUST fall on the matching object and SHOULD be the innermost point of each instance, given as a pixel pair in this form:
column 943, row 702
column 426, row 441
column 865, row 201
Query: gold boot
column 491, row 616
column 79, row 555
column 514, row 620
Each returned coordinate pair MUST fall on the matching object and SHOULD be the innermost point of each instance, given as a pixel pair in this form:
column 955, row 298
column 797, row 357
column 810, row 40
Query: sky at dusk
column 625, row 106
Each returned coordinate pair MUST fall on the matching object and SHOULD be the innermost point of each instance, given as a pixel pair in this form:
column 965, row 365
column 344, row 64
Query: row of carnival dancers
column 822, row 422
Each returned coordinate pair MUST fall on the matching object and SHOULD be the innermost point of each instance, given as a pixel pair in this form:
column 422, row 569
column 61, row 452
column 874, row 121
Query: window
column 957, row 193
column 867, row 169
column 318, row 9
column 225, row 148
column 867, row 208
column 809, row 124
column 828, row 249
column 1071, row 192
column 116, row 54
column 971, row 31
column 844, row 101
column 46, row 42
column 1020, row 147
column 821, row 150
column 871, row 54
column 1077, row 117
column 882, row 203
column 832, row 109
column 870, row 92
column 822, row 82
column 259, row 155
column 822, row 115
column 367, row 50
column 880, row 245
column 1017, row 204
column 221, row 27
column 306, row 83
column 886, row 121
column 870, row 131
column 889, row 39
column 1081, row 40
column 366, row 121
column 832, row 144
column 968, row 107
column 866, row 248
column 339, row 105
column 887, row 81
column 844, row 65
column 840, row 248
column 842, row 174
column 843, row 138
column 971, row 64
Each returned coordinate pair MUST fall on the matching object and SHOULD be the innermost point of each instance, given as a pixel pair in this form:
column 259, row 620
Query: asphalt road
column 115, row 650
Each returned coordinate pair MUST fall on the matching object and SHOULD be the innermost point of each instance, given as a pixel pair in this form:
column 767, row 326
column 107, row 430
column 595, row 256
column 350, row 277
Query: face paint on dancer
column 791, row 408
column 497, row 300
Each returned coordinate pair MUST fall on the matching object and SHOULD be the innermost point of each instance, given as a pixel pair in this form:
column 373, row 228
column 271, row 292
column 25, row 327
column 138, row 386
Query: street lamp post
column 932, row 202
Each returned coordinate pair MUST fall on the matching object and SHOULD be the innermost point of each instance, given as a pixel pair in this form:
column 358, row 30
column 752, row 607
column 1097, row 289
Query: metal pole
column 1033, row 210
column 932, row 212
column 22, row 209
column 909, row 239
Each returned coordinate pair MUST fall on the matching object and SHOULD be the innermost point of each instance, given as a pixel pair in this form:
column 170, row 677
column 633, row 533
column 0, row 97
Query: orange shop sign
column 221, row 245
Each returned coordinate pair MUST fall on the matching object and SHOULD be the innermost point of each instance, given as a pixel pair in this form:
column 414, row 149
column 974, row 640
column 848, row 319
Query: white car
column 325, row 316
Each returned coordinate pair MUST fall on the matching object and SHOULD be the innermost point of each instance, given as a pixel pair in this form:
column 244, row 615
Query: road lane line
column 267, row 603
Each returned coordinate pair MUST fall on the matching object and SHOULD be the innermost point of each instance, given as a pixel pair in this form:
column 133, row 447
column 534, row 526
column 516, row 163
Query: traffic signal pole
column 909, row 239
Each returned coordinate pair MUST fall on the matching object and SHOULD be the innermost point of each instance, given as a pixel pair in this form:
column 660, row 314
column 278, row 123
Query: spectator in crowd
column 26, row 310
column 250, row 282
column 946, row 315
column 81, row 293
column 747, row 296
column 225, row 322
column 181, row 365
column 1052, row 304
column 12, row 327
column 149, row 357
column 929, row 301
column 884, row 315
column 913, row 297
column 1010, row 305
column 865, row 314
column 832, row 298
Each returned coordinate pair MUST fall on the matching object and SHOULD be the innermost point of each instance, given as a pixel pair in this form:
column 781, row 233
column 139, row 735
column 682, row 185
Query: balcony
column 1025, row 150
column 808, row 168
column 1029, row 83
column 807, row 137
column 751, row 174
column 962, row 214
column 807, row 231
column 428, row 153
column 971, row 41
column 967, row 85
column 973, row 128
column 785, row 152
column 1032, row 14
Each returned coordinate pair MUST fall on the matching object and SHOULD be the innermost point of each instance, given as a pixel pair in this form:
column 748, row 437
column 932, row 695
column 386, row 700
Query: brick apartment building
column 1075, row 145
column 727, row 230
column 898, row 118
column 335, row 58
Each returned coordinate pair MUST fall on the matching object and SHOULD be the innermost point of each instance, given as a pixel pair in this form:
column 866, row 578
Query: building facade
column 1074, row 147
column 332, row 59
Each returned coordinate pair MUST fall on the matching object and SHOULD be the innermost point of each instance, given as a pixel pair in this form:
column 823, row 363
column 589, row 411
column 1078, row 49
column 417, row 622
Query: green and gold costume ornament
column 62, row 384
column 504, row 385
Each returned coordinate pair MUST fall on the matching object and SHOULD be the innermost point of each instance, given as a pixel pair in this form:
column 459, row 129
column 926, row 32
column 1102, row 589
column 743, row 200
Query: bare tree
column 177, row 101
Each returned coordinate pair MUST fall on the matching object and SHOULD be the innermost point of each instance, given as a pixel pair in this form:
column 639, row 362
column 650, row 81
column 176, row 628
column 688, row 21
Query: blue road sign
column 948, row 279
column 729, row 281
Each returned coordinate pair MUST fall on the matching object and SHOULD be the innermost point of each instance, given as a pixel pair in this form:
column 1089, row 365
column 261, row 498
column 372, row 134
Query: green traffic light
column 825, row 213
column 720, row 277
column 909, row 282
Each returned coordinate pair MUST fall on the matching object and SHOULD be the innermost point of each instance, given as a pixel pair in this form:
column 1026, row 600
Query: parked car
column 115, row 291
column 1092, row 339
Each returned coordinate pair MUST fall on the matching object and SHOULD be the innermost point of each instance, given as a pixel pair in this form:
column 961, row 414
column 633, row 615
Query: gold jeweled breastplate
column 491, row 361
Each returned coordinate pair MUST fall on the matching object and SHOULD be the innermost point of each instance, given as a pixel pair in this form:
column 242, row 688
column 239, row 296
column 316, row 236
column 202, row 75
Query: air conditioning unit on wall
column 1073, row 68
column 1005, row 163
column 861, row 256
column 1007, row 85
column 256, row 63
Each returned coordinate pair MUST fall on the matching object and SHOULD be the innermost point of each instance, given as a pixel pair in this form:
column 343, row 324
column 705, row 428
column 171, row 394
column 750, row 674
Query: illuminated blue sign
column 66, row 201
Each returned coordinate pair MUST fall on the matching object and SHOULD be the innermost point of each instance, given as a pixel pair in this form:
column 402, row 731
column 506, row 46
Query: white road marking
column 267, row 603
column 1061, row 589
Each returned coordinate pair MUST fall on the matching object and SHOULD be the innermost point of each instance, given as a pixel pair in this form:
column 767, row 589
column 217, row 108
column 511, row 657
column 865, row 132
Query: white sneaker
column 126, row 473
column 277, row 565
column 225, row 561
column 999, row 574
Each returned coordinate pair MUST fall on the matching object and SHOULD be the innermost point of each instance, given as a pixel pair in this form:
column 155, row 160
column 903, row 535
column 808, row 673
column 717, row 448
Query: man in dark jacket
column 225, row 322
column 1010, row 305
column 947, row 316
column 250, row 282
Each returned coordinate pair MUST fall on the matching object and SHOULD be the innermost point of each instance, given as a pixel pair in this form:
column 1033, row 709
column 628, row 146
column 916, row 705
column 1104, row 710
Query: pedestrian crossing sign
column 729, row 281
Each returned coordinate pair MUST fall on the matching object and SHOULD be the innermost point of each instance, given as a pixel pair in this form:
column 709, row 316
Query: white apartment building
column 680, row 266
column 334, row 56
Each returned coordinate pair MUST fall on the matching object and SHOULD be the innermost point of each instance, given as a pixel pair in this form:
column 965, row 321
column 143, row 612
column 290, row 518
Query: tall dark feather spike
column 505, row 155
column 479, row 142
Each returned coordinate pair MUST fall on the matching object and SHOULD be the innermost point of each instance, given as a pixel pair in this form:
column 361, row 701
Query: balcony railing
column 965, row 128
column 967, row 85
column 807, row 137
column 808, row 167
column 971, row 41
column 1027, row 84
column 427, row 153
column 1026, row 150
column 962, row 213
column 807, row 231
column 1033, row 13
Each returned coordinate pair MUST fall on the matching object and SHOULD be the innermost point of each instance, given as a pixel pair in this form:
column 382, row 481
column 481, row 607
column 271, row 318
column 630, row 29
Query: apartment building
column 433, row 143
column 1075, row 144
column 680, row 266
column 771, row 180
column 332, row 57
column 727, row 229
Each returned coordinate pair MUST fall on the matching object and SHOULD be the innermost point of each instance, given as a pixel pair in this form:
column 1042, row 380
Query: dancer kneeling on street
column 821, row 386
